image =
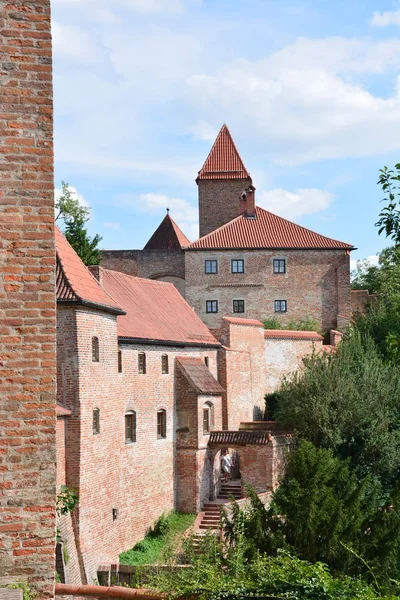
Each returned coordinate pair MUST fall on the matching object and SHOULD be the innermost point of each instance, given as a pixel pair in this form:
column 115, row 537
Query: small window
column 211, row 306
column 119, row 361
column 206, row 361
column 96, row 421
column 279, row 265
column 95, row 349
column 161, row 424
column 164, row 364
column 280, row 306
column 211, row 266
column 237, row 266
column 130, row 427
column 142, row 363
column 238, row 306
column 208, row 417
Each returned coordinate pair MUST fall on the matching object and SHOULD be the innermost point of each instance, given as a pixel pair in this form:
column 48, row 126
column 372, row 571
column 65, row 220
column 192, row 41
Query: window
column 279, row 265
column 211, row 266
column 161, row 424
column 280, row 306
column 96, row 421
column 211, row 306
column 237, row 266
column 164, row 364
column 119, row 361
column 238, row 306
column 95, row 349
column 141, row 363
column 130, row 427
column 206, row 361
column 208, row 417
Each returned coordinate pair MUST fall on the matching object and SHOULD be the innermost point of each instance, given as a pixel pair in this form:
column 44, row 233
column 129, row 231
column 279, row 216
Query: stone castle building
column 247, row 262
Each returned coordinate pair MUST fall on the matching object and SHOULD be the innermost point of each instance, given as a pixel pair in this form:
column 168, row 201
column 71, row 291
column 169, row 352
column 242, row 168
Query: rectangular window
column 238, row 306
column 211, row 266
column 279, row 265
column 206, row 420
column 119, row 361
column 164, row 364
column 96, row 421
column 237, row 266
column 206, row 361
column 211, row 306
column 161, row 424
column 142, row 363
column 130, row 427
column 280, row 306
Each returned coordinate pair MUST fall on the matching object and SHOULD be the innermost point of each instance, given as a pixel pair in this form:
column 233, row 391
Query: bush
column 306, row 324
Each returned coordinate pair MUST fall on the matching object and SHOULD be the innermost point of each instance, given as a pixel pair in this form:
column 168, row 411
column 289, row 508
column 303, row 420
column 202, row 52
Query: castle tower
column 221, row 181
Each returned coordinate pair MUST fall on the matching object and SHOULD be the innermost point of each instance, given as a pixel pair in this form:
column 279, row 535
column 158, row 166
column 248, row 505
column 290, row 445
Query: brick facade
column 315, row 285
column 283, row 357
column 27, row 298
column 219, row 202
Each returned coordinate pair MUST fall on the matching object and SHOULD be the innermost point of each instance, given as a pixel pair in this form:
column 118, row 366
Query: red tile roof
column 285, row 334
column 265, row 231
column 238, row 321
column 74, row 280
column 155, row 311
column 199, row 376
column 224, row 161
column 61, row 411
column 167, row 236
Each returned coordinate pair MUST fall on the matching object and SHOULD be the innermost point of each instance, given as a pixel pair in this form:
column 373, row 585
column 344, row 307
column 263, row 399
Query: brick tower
column 221, row 181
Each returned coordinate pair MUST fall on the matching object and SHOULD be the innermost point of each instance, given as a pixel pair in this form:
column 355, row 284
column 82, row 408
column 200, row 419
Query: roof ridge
column 180, row 232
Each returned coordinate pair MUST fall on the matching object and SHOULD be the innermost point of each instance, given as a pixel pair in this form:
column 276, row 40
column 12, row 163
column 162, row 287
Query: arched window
column 130, row 427
column 142, row 363
column 208, row 417
column 96, row 420
column 119, row 361
column 95, row 349
column 164, row 364
column 161, row 424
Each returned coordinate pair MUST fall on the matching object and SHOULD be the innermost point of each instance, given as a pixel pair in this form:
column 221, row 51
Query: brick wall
column 310, row 285
column 165, row 265
column 284, row 357
column 242, row 372
column 219, row 202
column 27, row 297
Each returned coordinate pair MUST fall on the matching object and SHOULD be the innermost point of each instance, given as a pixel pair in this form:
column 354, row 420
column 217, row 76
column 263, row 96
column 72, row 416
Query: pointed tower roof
column 224, row 161
column 167, row 236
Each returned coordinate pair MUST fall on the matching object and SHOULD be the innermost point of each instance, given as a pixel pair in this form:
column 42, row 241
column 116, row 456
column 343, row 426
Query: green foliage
column 306, row 324
column 271, row 402
column 383, row 279
column 66, row 500
column 365, row 277
column 160, row 541
column 348, row 402
column 272, row 323
column 68, row 208
column 389, row 217
column 85, row 246
column 27, row 592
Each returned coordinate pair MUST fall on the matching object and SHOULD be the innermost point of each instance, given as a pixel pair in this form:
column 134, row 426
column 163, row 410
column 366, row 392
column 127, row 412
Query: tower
column 221, row 181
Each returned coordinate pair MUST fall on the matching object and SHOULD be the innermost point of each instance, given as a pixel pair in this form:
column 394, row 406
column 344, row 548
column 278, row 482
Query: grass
column 160, row 542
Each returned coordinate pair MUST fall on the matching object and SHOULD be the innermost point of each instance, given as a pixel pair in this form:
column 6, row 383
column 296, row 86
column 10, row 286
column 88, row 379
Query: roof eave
column 286, row 249
column 156, row 342
column 87, row 303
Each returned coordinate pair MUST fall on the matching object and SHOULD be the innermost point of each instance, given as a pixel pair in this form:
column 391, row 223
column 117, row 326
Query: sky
column 310, row 91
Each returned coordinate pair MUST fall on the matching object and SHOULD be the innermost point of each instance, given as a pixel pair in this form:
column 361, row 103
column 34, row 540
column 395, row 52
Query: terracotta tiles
column 155, row 310
column 284, row 334
column 167, row 236
column 61, row 411
column 224, row 161
column 265, row 231
column 199, row 376
column 238, row 321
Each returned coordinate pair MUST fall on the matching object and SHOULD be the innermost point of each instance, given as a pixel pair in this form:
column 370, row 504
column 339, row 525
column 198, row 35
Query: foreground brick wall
column 316, row 284
column 27, row 297
column 284, row 357
column 219, row 202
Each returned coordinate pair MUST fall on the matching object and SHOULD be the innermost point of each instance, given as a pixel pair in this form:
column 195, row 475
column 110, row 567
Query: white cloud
column 294, row 204
column 141, row 6
column 383, row 19
column 74, row 43
column 180, row 209
column 74, row 192
column 112, row 225
column 374, row 260
column 204, row 131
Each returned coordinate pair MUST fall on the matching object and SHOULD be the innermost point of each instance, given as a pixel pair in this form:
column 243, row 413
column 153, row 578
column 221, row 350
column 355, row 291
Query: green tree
column 389, row 217
column 68, row 208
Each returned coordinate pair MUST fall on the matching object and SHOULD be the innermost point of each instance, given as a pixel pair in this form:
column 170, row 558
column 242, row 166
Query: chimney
column 247, row 202
column 97, row 272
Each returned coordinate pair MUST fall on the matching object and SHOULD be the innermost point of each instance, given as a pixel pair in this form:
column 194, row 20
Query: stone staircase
column 211, row 510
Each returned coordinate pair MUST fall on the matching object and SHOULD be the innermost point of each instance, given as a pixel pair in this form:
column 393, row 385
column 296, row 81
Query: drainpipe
column 99, row 591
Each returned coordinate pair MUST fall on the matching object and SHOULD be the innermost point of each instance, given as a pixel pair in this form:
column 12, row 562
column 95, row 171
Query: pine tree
column 86, row 247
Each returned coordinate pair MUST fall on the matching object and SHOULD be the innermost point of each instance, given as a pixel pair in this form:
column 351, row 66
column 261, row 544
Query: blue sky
column 310, row 91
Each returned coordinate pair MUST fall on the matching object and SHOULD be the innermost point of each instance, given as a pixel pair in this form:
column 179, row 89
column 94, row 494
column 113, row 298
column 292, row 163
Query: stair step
column 207, row 526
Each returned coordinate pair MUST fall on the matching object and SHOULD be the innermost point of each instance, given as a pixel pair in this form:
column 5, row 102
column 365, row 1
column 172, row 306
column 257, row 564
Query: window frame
column 119, row 361
column 237, row 261
column 95, row 349
column 161, row 424
column 211, row 302
column 130, row 415
column 280, row 306
column 276, row 262
column 207, row 361
column 142, row 363
column 208, row 417
column 164, row 364
column 96, row 421
column 211, row 261
column 238, row 300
